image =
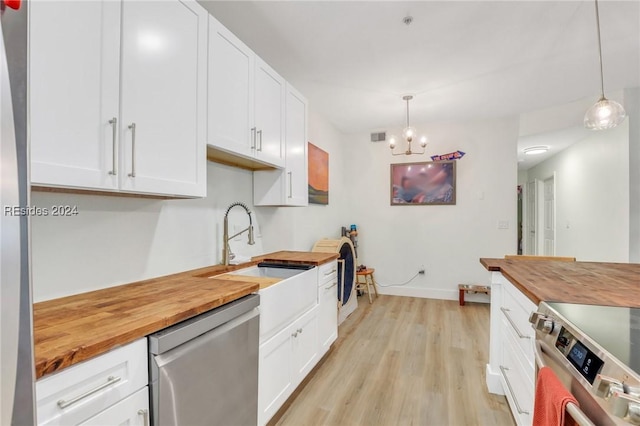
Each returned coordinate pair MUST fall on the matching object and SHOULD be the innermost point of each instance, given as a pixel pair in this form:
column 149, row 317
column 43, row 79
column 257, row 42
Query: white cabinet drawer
column 327, row 272
column 84, row 390
column 517, row 311
column 131, row 411
column 522, row 347
column 517, row 381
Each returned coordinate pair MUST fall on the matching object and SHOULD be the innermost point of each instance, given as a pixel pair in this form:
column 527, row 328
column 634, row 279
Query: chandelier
column 409, row 134
column 604, row 114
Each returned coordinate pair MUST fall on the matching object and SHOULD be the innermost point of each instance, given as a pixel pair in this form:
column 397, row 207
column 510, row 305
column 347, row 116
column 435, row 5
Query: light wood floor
column 404, row 361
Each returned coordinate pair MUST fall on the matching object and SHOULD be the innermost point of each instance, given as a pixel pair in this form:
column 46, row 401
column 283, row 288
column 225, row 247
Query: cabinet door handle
column 506, row 311
column 114, row 131
column 259, row 140
column 504, row 370
column 335, row 283
column 295, row 334
column 300, row 331
column 110, row 380
column 253, row 138
column 132, row 127
column 330, row 272
column 145, row 416
column 290, row 184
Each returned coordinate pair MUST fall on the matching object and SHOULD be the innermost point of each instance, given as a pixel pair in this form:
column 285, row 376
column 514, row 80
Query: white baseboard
column 432, row 293
column 494, row 385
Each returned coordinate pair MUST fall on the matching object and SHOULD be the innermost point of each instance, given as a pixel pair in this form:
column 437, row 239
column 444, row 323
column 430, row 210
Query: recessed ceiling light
column 535, row 150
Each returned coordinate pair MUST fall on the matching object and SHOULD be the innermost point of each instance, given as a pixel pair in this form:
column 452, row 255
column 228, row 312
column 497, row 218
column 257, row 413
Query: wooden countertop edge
column 278, row 257
column 496, row 265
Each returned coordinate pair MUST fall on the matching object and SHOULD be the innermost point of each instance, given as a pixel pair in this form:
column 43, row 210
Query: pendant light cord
column 600, row 49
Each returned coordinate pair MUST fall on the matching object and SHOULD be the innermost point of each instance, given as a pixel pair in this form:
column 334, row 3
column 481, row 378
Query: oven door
column 589, row 413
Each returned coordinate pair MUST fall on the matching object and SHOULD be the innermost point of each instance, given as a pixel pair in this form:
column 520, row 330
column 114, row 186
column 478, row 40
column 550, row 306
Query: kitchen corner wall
column 117, row 240
column 447, row 240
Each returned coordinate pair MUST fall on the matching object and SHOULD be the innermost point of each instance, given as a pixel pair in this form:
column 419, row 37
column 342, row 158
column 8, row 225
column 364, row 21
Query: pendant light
column 408, row 134
column 604, row 114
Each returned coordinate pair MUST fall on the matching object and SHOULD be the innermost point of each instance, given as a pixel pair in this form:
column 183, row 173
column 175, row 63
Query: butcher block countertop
column 306, row 257
column 590, row 283
column 76, row 328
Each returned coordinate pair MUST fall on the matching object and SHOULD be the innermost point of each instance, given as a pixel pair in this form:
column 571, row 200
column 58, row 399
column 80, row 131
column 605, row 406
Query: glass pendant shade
column 604, row 114
column 409, row 133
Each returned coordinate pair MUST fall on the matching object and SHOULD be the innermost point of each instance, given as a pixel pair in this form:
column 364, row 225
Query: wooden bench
column 474, row 288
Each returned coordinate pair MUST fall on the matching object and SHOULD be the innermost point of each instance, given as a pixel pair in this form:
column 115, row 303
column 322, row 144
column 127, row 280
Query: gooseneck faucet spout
column 226, row 249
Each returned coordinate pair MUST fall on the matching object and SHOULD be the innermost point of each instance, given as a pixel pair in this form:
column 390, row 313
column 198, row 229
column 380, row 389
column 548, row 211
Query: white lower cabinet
column 285, row 360
column 131, row 411
column 511, row 370
column 84, row 391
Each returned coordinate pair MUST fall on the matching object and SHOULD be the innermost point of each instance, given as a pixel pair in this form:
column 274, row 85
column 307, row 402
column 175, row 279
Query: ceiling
column 556, row 141
column 462, row 60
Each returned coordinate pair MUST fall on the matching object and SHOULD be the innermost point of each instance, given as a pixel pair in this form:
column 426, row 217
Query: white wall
column 447, row 240
column 116, row 240
column 632, row 106
column 592, row 196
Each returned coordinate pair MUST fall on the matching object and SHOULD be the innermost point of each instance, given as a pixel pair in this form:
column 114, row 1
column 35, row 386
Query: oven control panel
column 584, row 360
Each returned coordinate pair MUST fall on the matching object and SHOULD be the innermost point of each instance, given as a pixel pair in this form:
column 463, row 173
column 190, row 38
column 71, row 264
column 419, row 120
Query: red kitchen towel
column 551, row 401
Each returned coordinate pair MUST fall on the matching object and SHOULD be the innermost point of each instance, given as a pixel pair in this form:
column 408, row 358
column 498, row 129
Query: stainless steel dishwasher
column 204, row 371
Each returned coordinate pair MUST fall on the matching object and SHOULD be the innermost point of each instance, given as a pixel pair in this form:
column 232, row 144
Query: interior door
column 531, row 218
column 164, row 96
column 549, row 218
column 74, row 80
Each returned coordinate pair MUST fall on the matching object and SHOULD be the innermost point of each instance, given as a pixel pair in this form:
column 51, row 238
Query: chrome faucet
column 226, row 250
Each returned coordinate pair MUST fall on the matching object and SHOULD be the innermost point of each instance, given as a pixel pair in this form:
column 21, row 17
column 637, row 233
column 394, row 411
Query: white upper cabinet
column 230, row 113
column 74, row 93
column 287, row 187
column 123, row 115
column 296, row 140
column 164, row 96
column 246, row 101
column 269, row 113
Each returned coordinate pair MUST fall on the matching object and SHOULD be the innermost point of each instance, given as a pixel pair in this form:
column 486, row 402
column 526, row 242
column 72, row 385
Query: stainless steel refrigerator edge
column 17, row 406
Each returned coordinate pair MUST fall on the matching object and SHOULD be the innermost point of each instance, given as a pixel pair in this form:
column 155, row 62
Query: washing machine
column 347, row 297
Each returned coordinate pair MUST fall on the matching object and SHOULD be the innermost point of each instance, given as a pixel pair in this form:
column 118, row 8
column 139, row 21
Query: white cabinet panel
column 287, row 187
column 296, row 141
column 230, row 115
column 276, row 375
column 74, row 92
column 164, row 96
column 305, row 345
column 91, row 386
column 269, row 113
column 327, row 315
column 131, row 411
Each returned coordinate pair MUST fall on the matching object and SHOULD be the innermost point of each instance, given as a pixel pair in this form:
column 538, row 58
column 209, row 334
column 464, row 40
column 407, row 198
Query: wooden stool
column 464, row 288
column 368, row 282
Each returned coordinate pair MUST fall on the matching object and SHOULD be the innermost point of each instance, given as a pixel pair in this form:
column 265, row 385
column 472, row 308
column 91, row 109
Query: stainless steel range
column 595, row 351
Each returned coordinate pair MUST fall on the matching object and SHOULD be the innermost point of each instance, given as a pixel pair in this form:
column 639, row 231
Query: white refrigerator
column 17, row 406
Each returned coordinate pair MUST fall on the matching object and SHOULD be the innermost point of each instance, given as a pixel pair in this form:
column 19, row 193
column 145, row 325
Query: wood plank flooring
column 403, row 361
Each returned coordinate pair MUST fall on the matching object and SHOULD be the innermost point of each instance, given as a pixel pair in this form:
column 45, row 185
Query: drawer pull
column 504, row 370
column 145, row 416
column 330, row 272
column 110, row 381
column 335, row 283
column 506, row 311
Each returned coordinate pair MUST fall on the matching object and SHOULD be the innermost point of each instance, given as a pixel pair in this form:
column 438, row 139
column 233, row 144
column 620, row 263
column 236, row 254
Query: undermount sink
column 267, row 272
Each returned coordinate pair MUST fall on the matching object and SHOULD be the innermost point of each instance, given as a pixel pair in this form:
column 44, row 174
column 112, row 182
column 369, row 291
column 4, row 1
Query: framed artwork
column 318, row 175
column 423, row 184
